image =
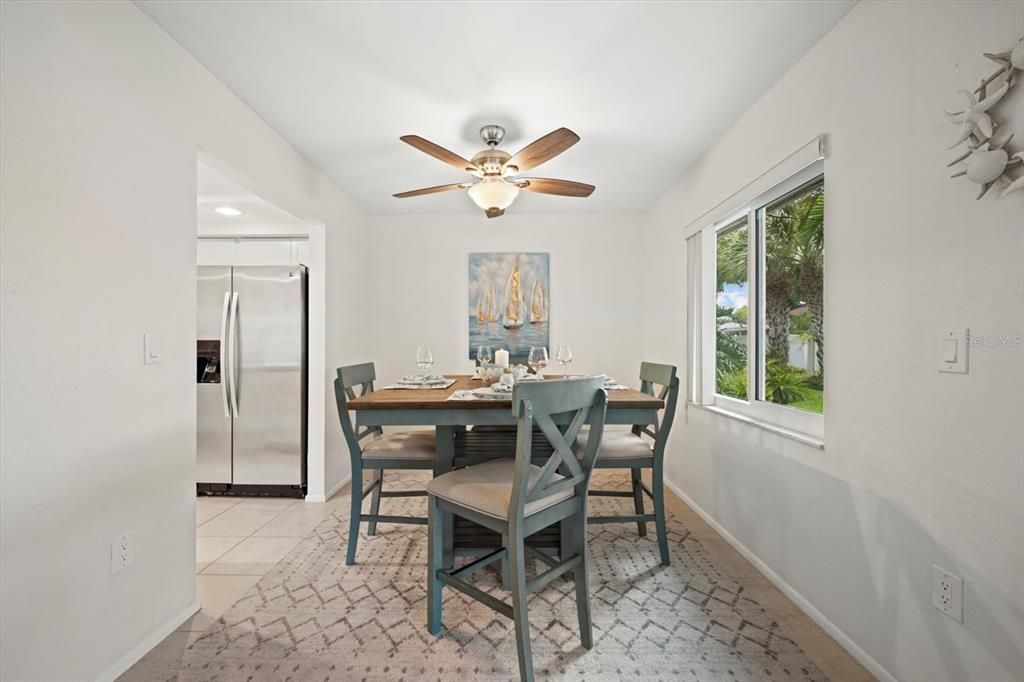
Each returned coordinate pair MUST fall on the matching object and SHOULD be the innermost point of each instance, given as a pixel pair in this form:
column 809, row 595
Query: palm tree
column 812, row 272
column 794, row 250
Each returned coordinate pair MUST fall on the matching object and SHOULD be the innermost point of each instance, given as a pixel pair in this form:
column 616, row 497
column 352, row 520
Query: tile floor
column 240, row 539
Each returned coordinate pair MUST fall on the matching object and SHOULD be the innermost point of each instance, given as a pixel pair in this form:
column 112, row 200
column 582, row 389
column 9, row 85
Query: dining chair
column 517, row 498
column 630, row 450
column 396, row 450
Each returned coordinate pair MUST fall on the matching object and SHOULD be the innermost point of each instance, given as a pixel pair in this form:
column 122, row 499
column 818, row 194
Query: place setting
column 423, row 380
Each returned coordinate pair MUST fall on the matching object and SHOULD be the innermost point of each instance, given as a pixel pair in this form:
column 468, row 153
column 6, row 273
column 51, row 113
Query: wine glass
column 484, row 355
column 424, row 358
column 564, row 357
column 538, row 359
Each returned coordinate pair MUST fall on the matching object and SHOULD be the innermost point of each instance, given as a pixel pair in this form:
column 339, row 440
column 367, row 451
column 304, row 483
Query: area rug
column 313, row 618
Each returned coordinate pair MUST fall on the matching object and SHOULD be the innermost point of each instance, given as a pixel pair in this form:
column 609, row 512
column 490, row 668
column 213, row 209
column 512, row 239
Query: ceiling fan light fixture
column 496, row 171
column 493, row 192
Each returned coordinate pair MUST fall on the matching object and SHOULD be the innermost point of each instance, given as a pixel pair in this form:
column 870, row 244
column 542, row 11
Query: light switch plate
column 150, row 349
column 953, row 345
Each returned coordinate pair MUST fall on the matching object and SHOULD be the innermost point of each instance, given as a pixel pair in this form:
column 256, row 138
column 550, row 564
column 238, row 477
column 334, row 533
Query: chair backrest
column 349, row 378
column 534, row 404
column 661, row 381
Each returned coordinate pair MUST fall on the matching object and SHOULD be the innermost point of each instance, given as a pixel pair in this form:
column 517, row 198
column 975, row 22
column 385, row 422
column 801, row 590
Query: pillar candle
column 501, row 358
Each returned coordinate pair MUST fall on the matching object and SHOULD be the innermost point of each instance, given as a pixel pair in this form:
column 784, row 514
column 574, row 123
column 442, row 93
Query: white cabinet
column 263, row 252
column 215, row 252
column 252, row 251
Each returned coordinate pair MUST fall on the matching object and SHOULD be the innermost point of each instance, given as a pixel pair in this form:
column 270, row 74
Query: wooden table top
column 437, row 399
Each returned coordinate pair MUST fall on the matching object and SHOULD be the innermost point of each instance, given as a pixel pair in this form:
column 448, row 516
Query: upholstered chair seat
column 487, row 488
column 402, row 445
column 618, row 445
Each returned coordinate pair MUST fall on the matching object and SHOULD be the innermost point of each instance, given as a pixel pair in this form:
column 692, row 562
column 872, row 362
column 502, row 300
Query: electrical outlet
column 122, row 552
column 948, row 593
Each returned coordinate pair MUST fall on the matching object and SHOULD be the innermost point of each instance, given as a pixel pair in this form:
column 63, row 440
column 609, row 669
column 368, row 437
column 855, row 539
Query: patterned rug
column 313, row 618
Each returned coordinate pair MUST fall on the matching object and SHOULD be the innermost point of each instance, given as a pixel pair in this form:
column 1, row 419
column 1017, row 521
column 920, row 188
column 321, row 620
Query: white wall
column 919, row 467
column 102, row 116
column 420, row 277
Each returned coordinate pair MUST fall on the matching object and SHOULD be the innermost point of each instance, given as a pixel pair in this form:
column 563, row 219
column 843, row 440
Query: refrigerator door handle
column 223, row 349
column 232, row 359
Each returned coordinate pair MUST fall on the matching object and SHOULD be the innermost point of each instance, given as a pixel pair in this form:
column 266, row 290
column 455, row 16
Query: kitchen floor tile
column 216, row 594
column 209, row 549
column 209, row 507
column 294, row 522
column 236, row 522
column 253, row 556
column 279, row 503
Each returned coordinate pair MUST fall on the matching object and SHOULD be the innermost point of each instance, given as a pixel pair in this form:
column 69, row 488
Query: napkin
column 419, row 380
column 485, row 393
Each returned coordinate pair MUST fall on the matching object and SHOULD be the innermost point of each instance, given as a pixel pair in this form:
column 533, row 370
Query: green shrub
column 730, row 352
column 733, row 383
column 785, row 384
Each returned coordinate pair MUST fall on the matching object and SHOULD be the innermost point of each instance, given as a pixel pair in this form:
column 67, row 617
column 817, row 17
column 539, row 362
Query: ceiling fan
column 497, row 172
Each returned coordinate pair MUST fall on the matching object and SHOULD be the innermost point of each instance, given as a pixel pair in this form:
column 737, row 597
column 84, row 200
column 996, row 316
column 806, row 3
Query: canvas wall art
column 508, row 301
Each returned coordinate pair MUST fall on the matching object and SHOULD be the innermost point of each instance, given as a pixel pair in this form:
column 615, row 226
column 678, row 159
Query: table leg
column 443, row 458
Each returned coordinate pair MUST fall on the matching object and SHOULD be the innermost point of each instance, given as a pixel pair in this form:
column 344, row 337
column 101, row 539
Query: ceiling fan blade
column 494, row 212
column 543, row 149
column 432, row 190
column 439, row 152
column 563, row 188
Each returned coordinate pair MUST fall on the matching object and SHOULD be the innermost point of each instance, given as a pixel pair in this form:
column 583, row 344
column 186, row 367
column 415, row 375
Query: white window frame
column 755, row 408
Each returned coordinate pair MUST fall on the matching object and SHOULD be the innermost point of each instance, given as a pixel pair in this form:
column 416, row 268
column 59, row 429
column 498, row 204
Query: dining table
column 476, row 430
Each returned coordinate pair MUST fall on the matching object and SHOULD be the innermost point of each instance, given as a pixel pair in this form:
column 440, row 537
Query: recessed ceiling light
column 229, row 211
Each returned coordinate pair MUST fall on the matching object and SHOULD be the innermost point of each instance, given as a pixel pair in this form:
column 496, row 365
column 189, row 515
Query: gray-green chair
column 517, row 498
column 630, row 450
column 397, row 450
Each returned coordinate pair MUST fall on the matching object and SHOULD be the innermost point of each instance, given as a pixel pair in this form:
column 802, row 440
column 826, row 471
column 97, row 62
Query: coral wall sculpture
column 986, row 160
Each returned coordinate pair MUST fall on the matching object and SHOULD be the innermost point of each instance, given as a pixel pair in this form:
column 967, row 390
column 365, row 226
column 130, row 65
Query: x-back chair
column 397, row 450
column 517, row 498
column 630, row 450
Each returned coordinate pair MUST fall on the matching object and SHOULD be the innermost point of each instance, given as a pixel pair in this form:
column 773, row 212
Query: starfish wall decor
column 986, row 160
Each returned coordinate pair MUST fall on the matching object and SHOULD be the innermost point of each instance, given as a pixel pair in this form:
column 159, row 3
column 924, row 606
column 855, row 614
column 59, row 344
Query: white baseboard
column 330, row 493
column 807, row 607
column 146, row 645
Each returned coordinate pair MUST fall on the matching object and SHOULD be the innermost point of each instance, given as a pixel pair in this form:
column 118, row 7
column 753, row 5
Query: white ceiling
column 648, row 86
column 214, row 189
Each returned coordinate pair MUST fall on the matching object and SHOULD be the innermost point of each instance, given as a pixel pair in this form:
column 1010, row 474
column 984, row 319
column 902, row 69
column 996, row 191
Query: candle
column 501, row 358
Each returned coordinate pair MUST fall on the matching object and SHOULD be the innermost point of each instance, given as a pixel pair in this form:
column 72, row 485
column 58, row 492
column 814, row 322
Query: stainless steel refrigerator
column 251, row 380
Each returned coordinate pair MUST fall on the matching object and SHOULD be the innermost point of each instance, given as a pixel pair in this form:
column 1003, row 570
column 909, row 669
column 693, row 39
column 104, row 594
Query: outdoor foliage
column 733, row 383
column 784, row 383
column 793, row 297
column 730, row 358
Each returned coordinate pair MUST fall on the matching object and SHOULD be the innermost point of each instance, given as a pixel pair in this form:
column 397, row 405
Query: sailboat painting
column 508, row 301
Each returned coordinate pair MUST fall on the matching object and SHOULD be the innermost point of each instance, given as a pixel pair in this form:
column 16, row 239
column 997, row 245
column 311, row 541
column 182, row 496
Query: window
column 792, row 252
column 763, row 352
column 732, row 255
